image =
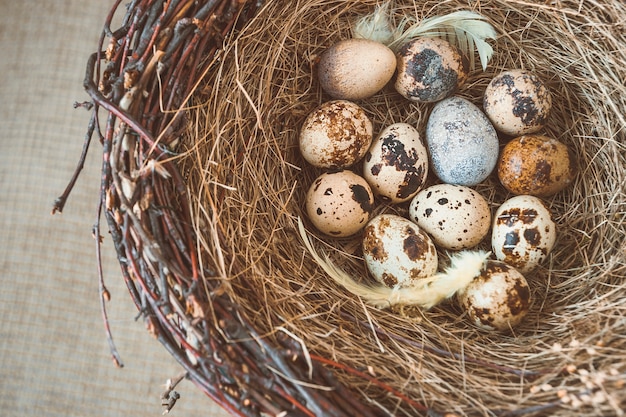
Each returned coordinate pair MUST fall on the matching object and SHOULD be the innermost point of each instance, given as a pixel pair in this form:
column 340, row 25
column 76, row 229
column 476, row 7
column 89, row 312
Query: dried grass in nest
column 247, row 184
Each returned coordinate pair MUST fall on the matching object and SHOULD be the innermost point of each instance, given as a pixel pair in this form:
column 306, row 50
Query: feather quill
column 467, row 30
column 464, row 267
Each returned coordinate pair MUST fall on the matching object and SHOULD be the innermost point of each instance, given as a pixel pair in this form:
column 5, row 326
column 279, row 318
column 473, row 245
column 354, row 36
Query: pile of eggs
column 461, row 147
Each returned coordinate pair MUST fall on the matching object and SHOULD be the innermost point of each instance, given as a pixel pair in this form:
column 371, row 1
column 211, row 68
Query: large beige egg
column 396, row 165
column 429, row 70
column 535, row 165
column 462, row 143
column 397, row 251
column 454, row 216
column 355, row 69
column 339, row 203
column 337, row 134
column 517, row 102
column 523, row 233
column 498, row 299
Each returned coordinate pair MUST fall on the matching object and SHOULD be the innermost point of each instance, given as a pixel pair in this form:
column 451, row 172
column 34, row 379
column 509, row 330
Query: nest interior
column 247, row 182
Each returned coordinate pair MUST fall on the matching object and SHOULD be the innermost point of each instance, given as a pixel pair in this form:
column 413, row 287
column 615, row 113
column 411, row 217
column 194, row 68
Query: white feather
column 464, row 267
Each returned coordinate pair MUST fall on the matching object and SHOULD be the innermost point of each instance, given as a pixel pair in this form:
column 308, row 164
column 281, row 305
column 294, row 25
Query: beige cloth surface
column 54, row 357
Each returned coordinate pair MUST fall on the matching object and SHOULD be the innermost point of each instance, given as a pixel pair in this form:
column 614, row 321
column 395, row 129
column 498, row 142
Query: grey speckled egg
column 462, row 142
column 454, row 216
column 339, row 203
column 523, row 233
column 396, row 165
column 429, row 70
column 498, row 299
column 517, row 102
column 397, row 251
column 336, row 135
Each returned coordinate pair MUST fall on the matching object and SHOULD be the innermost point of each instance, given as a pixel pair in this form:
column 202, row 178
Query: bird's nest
column 199, row 105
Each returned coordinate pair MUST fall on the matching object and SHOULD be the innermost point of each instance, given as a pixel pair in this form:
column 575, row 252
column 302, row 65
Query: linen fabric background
column 54, row 356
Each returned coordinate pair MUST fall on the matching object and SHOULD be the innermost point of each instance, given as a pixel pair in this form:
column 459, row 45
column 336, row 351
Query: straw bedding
column 247, row 183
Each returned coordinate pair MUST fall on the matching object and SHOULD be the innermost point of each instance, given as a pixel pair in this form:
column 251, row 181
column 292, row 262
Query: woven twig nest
column 199, row 104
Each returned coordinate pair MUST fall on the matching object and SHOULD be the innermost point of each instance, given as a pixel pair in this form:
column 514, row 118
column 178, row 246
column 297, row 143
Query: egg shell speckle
column 517, row 102
column 535, row 165
column 335, row 135
column 454, row 216
column 339, row 203
column 429, row 70
column 396, row 165
column 498, row 299
column 462, row 143
column 397, row 251
column 523, row 233
column 355, row 69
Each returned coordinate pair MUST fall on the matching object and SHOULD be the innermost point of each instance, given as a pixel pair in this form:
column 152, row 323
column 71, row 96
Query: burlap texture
column 54, row 357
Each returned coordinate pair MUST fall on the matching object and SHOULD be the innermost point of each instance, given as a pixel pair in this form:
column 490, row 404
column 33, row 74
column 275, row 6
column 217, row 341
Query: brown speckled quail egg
column 396, row 165
column 517, row 102
column 523, row 232
column 498, row 299
column 429, row 70
column 397, row 251
column 454, row 216
column 339, row 203
column 355, row 69
column 335, row 135
column 462, row 143
column 535, row 165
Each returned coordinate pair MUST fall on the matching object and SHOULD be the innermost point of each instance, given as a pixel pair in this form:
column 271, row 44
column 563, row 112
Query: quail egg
column 397, row 251
column 498, row 299
column 462, row 143
column 339, row 203
column 454, row 216
column 355, row 69
column 396, row 165
column 517, row 102
column 429, row 70
column 335, row 135
column 535, row 165
column 523, row 233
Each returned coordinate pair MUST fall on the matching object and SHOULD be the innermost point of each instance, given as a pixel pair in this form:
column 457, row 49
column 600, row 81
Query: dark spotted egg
column 517, row 102
column 498, row 299
column 454, row 216
column 339, row 203
column 396, row 165
column 523, row 232
column 335, row 135
column 397, row 251
column 536, row 165
column 429, row 70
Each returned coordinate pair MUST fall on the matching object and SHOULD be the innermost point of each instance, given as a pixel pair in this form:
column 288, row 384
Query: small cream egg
column 355, row 69
column 454, row 216
column 429, row 70
column 339, row 203
column 523, row 233
column 498, row 299
column 336, row 135
column 535, row 165
column 462, row 143
column 396, row 165
column 517, row 102
column 397, row 251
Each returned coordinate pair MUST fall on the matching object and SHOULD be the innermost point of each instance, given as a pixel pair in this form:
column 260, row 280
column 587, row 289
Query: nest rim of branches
column 205, row 217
